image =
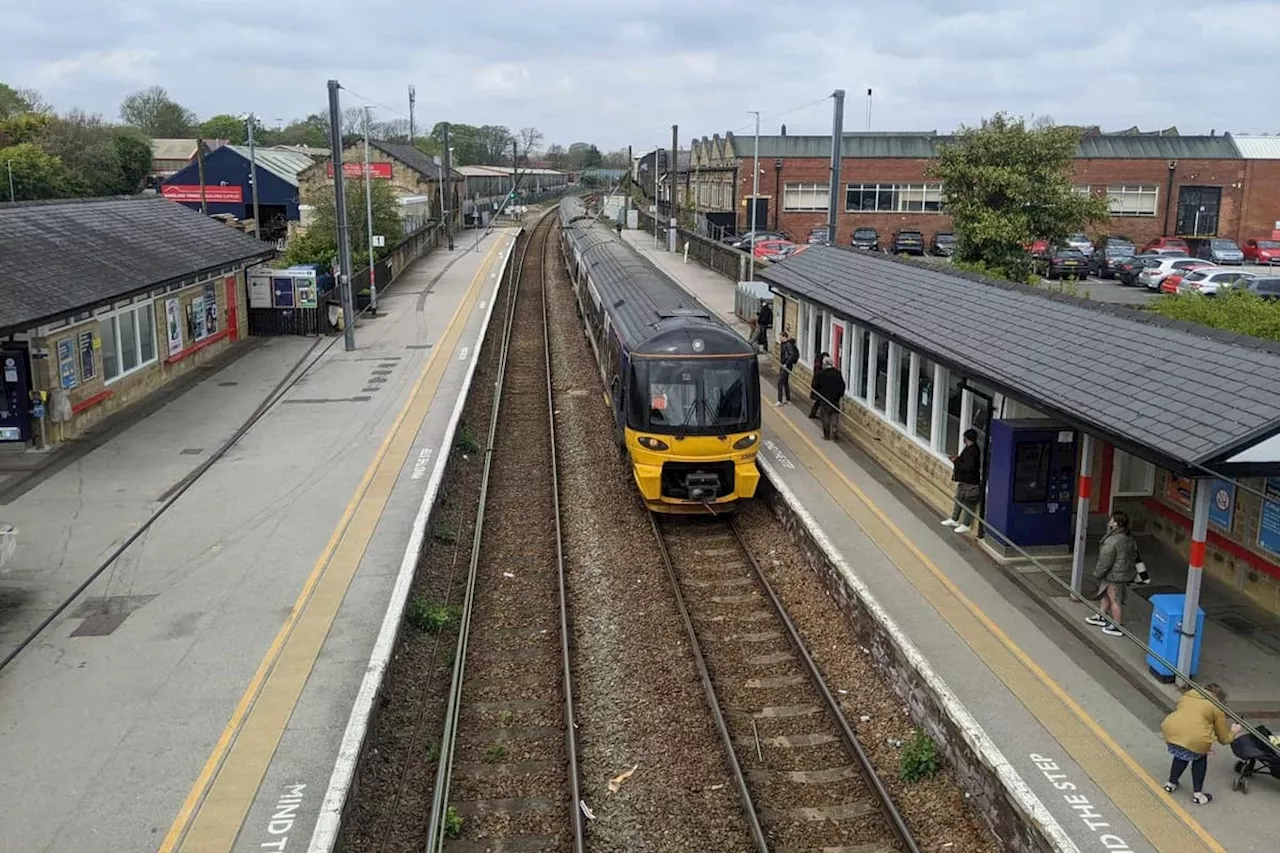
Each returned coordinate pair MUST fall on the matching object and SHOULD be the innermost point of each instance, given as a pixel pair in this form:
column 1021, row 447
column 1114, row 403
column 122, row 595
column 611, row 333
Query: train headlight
column 746, row 441
column 652, row 443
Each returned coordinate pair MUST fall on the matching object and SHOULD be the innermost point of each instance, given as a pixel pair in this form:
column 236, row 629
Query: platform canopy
column 1185, row 397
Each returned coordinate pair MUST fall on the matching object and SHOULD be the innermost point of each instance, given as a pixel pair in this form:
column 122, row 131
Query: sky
column 618, row 75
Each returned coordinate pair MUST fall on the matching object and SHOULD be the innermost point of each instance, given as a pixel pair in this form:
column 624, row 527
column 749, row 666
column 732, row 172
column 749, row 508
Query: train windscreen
column 695, row 397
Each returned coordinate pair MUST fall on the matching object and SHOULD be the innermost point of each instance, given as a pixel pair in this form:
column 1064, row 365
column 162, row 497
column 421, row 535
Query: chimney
column 784, row 130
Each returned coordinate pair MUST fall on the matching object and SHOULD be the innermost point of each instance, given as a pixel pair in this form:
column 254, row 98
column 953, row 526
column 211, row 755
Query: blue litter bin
column 1166, row 627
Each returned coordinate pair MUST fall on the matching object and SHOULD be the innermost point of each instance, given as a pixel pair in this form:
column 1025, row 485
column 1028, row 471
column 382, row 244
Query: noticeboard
column 1269, row 522
column 282, row 295
column 259, row 292
column 1222, row 503
column 307, row 294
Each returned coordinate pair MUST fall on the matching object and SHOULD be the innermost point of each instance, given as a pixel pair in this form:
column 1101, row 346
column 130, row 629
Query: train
column 683, row 387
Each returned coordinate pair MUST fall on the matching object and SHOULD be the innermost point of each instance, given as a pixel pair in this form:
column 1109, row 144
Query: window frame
column 801, row 189
column 1149, row 481
column 902, row 195
column 113, row 317
column 1118, row 194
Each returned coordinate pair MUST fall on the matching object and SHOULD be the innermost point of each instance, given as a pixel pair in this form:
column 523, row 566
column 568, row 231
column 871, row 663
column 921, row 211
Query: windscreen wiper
column 698, row 402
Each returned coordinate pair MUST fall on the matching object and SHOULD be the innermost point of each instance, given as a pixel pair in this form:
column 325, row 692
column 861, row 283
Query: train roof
column 653, row 314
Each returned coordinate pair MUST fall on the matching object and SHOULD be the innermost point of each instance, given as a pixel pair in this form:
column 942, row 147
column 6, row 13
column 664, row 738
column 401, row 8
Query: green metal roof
column 1119, row 147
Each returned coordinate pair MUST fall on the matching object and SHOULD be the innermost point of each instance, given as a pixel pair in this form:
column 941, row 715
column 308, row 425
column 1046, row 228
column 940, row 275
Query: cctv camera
column 1173, row 164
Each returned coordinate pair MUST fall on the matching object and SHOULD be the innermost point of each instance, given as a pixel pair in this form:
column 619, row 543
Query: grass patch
column 452, row 823
column 495, row 752
column 467, row 441
column 430, row 617
column 919, row 758
column 445, row 534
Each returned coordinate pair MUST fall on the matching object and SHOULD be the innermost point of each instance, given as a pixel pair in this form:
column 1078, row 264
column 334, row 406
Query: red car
column 1167, row 243
column 1171, row 281
column 771, row 249
column 1262, row 251
column 1038, row 249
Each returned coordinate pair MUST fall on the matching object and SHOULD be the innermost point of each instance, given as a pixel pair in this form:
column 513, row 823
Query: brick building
column 106, row 300
column 1191, row 186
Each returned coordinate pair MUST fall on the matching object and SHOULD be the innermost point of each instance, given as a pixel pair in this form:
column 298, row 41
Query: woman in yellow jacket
column 1190, row 731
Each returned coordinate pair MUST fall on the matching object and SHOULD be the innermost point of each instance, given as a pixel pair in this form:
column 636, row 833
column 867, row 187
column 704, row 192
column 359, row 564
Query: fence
column 726, row 260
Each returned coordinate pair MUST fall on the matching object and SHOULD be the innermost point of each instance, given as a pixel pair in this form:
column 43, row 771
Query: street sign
column 379, row 241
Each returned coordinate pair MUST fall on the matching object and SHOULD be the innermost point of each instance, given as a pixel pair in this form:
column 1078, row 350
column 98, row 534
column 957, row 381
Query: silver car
column 1211, row 280
column 1220, row 251
column 1081, row 242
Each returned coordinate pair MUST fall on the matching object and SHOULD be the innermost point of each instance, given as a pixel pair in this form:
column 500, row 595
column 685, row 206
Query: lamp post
column 368, row 210
column 755, row 198
column 777, row 193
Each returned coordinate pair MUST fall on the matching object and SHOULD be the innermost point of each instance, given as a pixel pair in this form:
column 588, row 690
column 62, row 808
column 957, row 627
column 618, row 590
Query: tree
column 556, row 156
column 583, row 155
column 157, row 115
column 312, row 131
column 319, row 245
column 530, row 141
column 36, row 174
column 133, row 160
column 1005, row 185
column 13, row 102
column 225, row 126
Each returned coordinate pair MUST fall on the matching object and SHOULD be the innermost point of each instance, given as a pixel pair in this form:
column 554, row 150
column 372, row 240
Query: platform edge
column 329, row 820
column 975, row 736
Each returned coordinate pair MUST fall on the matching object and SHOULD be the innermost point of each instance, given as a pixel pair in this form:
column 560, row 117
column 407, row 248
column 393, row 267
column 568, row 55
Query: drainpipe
column 1173, row 168
column 777, row 192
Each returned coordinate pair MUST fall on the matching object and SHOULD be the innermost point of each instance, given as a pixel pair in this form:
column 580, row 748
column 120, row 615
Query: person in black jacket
column 828, row 385
column 788, row 358
column 764, row 322
column 967, row 474
column 813, row 389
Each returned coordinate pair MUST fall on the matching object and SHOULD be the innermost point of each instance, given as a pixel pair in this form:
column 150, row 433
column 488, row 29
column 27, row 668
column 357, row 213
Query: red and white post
column 1084, row 492
column 1195, row 571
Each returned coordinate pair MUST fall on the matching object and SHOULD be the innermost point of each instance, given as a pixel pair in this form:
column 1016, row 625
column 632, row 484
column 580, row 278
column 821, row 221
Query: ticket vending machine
column 15, row 402
column 1031, row 486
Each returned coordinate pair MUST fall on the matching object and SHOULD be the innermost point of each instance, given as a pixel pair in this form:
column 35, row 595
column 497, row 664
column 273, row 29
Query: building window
column 1081, row 189
column 1133, row 477
column 128, row 340
column 864, row 355
column 882, row 374
column 1133, row 199
column 893, row 198
column 923, row 396
column 902, row 393
column 955, row 406
column 805, row 196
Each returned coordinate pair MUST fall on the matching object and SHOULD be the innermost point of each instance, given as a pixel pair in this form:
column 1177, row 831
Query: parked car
column 1081, row 242
column 944, row 244
column 1151, row 277
column 1168, row 243
column 907, row 242
column 817, row 236
column 1220, row 251
column 771, row 249
column 1104, row 259
column 1268, row 287
column 1262, row 251
column 1067, row 262
column 742, row 241
column 865, row 238
column 1039, row 250
column 1207, row 282
column 1126, row 269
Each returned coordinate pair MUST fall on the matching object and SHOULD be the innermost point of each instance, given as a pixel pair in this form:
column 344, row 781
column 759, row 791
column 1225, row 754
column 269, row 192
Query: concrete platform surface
column 215, row 691
column 1039, row 690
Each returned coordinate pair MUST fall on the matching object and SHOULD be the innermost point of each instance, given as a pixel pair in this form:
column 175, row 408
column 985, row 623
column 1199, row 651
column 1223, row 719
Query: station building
column 1078, row 406
column 228, row 185
column 1194, row 187
column 104, row 301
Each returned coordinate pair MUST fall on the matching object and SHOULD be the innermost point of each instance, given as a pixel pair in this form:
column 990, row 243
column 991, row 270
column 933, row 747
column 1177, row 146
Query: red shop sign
column 378, row 171
column 215, row 194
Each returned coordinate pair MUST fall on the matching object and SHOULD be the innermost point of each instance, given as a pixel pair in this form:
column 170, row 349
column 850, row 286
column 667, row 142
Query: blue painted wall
column 224, row 164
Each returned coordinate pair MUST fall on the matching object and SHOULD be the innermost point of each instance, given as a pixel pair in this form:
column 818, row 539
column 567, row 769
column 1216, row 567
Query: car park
column 907, row 242
column 1168, row 243
column 1151, row 277
column 771, row 250
column 1220, row 251
column 1081, row 242
column 865, row 238
column 944, row 244
column 1126, row 269
column 1262, row 251
column 1268, row 287
column 1209, row 281
column 817, row 236
column 742, row 241
column 1104, row 259
column 1067, row 262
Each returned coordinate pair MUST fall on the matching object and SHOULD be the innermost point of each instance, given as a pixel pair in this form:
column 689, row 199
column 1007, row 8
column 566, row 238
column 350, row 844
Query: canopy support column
column 1085, row 491
column 1195, row 571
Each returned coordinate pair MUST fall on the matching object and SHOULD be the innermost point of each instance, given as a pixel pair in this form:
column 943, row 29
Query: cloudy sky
column 615, row 74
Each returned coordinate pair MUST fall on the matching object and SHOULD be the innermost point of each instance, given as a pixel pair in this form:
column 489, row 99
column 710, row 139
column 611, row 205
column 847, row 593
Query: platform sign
column 259, row 291
column 67, row 363
column 1269, row 522
column 1222, row 503
column 307, row 294
column 1178, row 492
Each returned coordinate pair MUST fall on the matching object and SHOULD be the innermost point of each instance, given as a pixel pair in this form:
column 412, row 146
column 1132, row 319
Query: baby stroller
column 1254, row 754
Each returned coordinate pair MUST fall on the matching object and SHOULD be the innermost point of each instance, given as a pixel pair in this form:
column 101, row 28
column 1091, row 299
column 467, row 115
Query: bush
column 452, row 823
column 998, row 273
column 467, row 442
column 432, row 618
column 919, row 758
column 1231, row 310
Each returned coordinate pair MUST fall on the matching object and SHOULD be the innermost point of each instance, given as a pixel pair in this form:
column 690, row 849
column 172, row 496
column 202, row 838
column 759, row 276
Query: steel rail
column 890, row 811
column 739, row 780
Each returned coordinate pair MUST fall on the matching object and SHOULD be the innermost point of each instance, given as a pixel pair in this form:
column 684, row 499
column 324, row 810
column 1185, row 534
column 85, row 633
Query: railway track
column 804, row 780
column 507, row 776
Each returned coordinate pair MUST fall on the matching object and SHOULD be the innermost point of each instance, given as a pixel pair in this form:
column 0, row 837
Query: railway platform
column 1049, row 709
column 198, row 696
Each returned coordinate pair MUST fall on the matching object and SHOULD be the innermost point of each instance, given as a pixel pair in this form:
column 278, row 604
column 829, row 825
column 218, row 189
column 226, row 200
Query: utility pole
column 413, row 97
column 868, row 110
column 752, row 207
column 446, row 188
column 631, row 183
column 340, row 210
column 12, row 195
column 368, row 213
column 253, row 178
column 837, row 140
column 204, row 207
column 673, row 172
column 657, row 193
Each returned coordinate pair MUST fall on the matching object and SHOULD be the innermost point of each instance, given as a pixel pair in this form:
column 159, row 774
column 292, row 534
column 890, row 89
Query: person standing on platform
column 813, row 388
column 966, row 473
column 828, row 385
column 1116, row 569
column 764, row 322
column 788, row 358
column 1189, row 733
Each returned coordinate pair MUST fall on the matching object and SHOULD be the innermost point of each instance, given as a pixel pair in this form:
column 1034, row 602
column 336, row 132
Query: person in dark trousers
column 813, row 389
column 788, row 358
column 967, row 475
column 764, row 322
column 1116, row 569
column 829, row 386
column 1189, row 733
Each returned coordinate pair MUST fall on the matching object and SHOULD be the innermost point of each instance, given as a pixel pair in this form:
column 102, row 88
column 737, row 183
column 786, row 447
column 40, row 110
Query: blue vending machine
column 1166, row 634
column 1031, row 486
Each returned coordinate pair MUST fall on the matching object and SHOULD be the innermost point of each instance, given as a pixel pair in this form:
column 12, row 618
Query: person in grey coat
column 1116, row 569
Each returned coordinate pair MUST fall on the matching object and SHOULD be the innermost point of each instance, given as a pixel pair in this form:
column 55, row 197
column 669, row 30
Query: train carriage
column 683, row 387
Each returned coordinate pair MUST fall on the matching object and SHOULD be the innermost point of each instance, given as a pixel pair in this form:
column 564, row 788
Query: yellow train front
column 683, row 387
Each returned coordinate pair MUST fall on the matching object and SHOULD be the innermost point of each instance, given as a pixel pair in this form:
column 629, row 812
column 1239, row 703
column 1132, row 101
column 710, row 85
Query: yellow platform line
column 1134, row 791
column 214, row 810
